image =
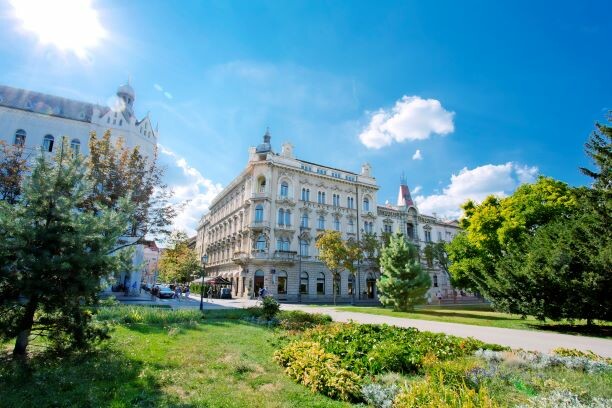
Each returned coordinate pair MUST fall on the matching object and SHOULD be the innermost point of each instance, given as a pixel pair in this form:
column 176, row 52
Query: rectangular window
column 427, row 236
column 439, row 235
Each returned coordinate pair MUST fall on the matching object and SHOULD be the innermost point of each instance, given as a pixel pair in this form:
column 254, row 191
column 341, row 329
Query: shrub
column 299, row 320
column 379, row 395
column 373, row 349
column 567, row 352
column 434, row 393
column 309, row 364
column 539, row 361
column 455, row 372
column 270, row 307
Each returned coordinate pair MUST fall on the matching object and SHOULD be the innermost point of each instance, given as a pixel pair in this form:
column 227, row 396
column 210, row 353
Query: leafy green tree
column 403, row 282
column 54, row 255
column 333, row 253
column 13, row 167
column 178, row 262
column 117, row 171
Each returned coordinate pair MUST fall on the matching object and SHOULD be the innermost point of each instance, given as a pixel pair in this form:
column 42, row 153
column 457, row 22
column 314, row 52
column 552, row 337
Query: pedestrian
column 177, row 292
column 260, row 294
column 187, row 292
column 264, row 292
column 210, row 293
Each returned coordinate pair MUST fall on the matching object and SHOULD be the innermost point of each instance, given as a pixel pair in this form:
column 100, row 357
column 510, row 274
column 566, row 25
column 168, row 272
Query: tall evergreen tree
column 54, row 255
column 13, row 167
column 403, row 282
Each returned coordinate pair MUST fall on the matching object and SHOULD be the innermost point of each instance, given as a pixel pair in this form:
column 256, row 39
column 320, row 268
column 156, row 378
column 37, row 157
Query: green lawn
column 482, row 315
column 193, row 363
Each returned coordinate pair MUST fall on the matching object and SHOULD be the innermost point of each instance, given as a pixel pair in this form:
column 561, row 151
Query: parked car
column 165, row 292
column 225, row 293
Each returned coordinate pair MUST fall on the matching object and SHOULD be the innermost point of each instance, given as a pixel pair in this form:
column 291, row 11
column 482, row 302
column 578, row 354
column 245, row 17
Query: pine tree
column 403, row 282
column 54, row 255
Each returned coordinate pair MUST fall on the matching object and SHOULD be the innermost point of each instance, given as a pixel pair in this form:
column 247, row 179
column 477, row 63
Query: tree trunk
column 25, row 327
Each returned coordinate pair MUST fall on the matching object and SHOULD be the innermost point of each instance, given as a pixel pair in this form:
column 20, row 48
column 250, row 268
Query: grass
column 483, row 315
column 162, row 358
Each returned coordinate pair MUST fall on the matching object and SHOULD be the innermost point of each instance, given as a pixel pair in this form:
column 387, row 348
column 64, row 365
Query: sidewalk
column 524, row 339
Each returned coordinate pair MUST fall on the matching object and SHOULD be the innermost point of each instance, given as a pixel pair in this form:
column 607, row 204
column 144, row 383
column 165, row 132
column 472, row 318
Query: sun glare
column 70, row 25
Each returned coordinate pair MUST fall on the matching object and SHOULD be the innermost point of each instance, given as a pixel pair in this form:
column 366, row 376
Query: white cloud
column 476, row 184
column 168, row 95
column 417, row 155
column 417, row 189
column 158, row 87
column 412, row 118
column 191, row 189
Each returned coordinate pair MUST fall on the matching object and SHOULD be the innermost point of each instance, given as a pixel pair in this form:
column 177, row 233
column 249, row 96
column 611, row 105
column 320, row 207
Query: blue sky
column 490, row 94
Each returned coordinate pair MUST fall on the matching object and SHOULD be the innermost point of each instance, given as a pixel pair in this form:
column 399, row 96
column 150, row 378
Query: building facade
column 260, row 230
column 38, row 122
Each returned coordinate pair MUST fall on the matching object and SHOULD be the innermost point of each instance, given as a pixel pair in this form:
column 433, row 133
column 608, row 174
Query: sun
column 69, row 25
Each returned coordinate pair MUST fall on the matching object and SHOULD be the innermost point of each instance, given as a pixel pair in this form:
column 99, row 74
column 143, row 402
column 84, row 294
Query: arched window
column 75, row 145
column 351, row 226
column 371, row 286
column 282, row 283
column 305, row 194
column 303, row 247
column 284, row 189
column 260, row 245
column 48, row 143
column 259, row 281
column 304, row 222
column 281, row 216
column 435, row 281
column 304, row 283
column 337, row 223
column 259, row 213
column 366, row 204
column 321, row 222
column 321, row 284
column 20, row 137
column 288, row 218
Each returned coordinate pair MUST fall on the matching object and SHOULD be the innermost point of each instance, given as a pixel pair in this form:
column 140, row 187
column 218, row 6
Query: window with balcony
column 303, row 247
column 260, row 244
column 284, row 189
column 304, row 222
column 281, row 216
column 259, row 213
column 366, row 204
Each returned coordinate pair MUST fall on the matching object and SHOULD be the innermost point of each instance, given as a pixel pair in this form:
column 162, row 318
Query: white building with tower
column 38, row 122
column 260, row 230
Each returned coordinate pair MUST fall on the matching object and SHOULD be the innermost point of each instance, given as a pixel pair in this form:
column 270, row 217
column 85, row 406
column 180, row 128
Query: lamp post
column 204, row 261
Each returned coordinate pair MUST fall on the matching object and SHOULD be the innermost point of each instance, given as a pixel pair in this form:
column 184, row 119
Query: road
column 524, row 339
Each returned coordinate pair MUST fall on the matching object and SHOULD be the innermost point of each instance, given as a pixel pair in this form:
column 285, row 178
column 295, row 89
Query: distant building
column 260, row 230
column 39, row 121
column 36, row 120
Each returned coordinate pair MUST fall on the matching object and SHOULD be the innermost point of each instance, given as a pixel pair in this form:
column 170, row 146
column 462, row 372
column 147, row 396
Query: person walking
column 187, row 292
column 210, row 293
column 177, row 292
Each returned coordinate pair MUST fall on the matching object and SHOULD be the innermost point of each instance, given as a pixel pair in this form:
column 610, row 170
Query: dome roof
column 126, row 89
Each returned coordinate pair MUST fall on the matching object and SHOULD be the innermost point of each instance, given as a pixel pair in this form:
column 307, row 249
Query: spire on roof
column 403, row 198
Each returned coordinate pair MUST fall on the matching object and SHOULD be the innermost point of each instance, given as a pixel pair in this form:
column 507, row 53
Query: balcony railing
column 285, row 255
column 259, row 224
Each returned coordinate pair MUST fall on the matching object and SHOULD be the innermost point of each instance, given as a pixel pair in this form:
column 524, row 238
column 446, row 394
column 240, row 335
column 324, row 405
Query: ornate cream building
column 260, row 230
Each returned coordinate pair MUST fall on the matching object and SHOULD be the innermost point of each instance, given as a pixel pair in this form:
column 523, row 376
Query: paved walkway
column 525, row 339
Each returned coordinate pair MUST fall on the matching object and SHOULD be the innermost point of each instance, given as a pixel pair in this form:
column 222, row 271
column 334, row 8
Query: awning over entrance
column 217, row 280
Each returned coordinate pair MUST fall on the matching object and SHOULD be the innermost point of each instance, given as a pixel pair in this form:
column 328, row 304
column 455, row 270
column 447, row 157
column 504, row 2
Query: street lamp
column 204, row 262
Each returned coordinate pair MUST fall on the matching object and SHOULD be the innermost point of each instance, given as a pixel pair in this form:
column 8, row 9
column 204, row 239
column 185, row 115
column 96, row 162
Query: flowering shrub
column 373, row 349
column 309, row 364
column 435, row 393
column 379, row 395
